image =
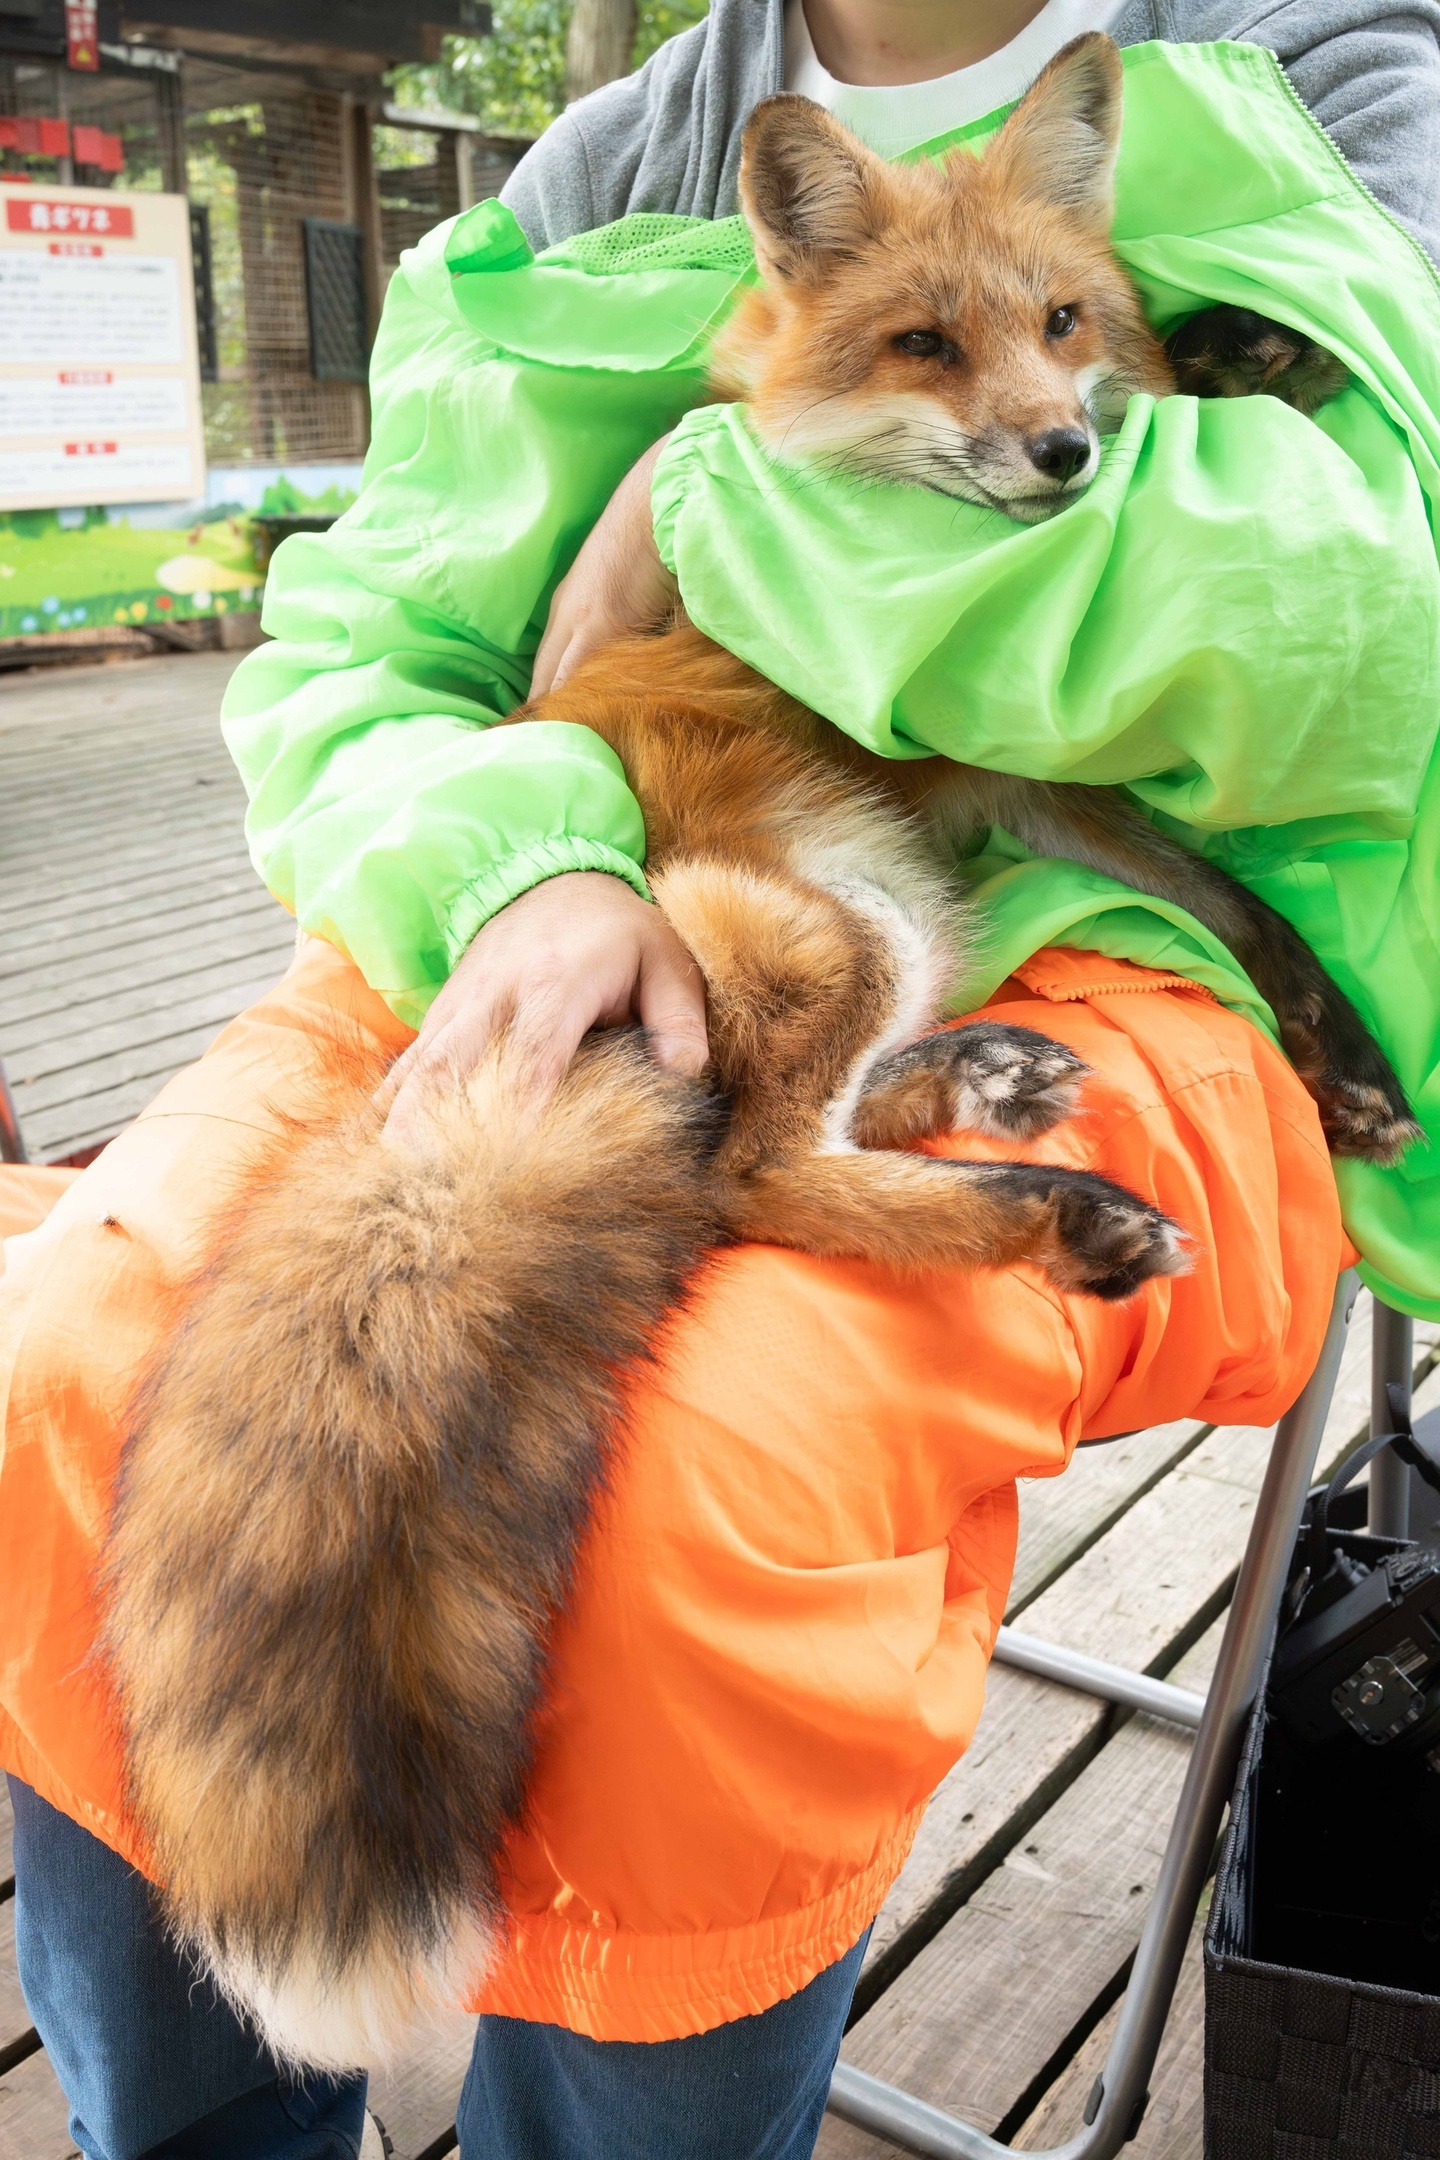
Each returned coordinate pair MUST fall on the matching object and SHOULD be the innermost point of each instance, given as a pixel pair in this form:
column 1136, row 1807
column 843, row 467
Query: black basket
column 268, row 532
column 1322, row 1956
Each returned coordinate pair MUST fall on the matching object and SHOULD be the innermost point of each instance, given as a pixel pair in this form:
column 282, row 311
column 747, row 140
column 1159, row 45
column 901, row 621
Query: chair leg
column 1121, row 2093
column 1392, row 1359
column 1094, row 1676
column 12, row 1145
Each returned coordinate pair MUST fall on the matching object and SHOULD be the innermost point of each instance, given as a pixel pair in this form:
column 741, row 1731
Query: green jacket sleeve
column 1233, row 563
column 386, row 810
column 1241, row 617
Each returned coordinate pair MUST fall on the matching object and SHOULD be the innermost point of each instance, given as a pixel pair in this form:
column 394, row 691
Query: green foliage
column 514, row 80
column 658, row 20
column 210, row 172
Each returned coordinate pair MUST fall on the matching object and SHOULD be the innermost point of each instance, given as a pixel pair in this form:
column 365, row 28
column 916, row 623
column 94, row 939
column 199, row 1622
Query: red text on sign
column 42, row 214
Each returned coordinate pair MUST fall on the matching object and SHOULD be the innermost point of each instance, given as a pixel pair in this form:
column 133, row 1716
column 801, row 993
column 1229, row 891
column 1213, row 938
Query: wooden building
column 271, row 116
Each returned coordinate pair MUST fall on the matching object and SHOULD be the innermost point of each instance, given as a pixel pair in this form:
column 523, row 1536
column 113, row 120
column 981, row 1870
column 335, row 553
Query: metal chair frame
column 1117, row 2104
column 12, row 1144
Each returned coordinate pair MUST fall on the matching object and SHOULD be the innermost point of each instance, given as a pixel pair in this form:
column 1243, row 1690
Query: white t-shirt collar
column 895, row 117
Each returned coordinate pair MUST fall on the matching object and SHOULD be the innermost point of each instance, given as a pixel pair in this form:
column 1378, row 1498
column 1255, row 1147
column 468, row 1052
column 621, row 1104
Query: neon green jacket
column 1240, row 619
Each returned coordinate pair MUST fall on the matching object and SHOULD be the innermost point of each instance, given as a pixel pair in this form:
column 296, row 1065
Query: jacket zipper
column 1338, row 155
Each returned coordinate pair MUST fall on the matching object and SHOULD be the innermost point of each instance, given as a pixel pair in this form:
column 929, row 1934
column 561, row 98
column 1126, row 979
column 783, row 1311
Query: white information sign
column 99, row 362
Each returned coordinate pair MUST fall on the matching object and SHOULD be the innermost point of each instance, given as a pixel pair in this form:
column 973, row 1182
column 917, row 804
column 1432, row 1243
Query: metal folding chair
column 1117, row 2103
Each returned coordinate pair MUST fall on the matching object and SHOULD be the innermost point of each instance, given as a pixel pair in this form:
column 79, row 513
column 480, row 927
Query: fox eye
column 1061, row 323
column 921, row 344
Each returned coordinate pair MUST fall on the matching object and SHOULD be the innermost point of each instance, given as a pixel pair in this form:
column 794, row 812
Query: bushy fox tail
column 349, row 1504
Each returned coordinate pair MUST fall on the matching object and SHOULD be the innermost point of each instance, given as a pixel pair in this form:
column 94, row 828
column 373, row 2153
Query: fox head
column 963, row 326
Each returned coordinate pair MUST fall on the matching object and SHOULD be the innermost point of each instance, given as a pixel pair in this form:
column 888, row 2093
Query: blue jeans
column 154, row 2065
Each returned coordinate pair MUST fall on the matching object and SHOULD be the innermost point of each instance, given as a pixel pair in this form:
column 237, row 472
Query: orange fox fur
column 355, row 1480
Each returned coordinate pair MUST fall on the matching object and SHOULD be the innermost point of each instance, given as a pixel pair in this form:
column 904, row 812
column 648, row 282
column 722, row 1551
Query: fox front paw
column 985, row 1077
column 1365, row 1120
column 1364, row 1112
column 1226, row 352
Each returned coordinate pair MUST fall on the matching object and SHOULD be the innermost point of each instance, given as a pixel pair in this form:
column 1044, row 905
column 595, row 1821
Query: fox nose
column 1059, row 452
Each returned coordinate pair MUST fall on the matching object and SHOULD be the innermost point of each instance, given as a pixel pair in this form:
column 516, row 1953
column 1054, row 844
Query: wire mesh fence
column 264, row 152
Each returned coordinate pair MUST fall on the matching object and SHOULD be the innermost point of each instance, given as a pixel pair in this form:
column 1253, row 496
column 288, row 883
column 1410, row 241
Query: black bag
column 1322, row 1954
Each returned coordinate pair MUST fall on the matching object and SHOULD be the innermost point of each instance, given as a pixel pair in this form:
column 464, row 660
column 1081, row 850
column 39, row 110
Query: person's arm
column 1090, row 649
column 1232, row 563
column 384, row 812
column 386, row 809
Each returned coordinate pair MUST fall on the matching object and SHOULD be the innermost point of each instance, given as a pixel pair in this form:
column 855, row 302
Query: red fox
column 355, row 1481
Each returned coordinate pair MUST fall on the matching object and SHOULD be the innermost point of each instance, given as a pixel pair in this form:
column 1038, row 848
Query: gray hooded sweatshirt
column 668, row 138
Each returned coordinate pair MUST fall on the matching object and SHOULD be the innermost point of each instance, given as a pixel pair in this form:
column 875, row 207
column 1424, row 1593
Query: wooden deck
column 996, row 1964
column 131, row 923
column 131, row 927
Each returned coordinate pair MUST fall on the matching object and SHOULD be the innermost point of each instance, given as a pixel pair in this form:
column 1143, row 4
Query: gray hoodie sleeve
column 668, row 138
column 550, row 190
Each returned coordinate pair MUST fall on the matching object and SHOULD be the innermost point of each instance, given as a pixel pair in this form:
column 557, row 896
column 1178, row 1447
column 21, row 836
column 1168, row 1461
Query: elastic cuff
column 611, row 1984
column 671, row 476
column 504, row 881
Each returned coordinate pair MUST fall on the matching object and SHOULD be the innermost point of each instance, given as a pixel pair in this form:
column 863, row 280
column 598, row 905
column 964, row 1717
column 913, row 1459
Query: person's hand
column 577, row 952
column 616, row 585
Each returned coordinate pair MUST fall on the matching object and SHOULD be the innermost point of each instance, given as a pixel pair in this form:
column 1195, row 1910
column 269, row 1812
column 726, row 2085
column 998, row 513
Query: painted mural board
column 99, row 358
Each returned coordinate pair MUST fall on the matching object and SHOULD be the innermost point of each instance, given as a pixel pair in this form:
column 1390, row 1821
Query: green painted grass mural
column 90, row 574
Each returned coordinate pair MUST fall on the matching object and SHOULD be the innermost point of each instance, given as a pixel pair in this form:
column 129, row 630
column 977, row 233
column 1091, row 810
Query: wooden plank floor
column 132, row 926
column 994, row 1969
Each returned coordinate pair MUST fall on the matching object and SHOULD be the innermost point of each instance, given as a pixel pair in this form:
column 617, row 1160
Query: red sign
column 94, row 147
column 43, row 214
column 82, row 35
column 34, row 137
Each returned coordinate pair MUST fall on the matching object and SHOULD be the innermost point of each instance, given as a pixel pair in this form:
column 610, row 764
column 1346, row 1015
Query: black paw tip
column 1118, row 1244
column 1365, row 1124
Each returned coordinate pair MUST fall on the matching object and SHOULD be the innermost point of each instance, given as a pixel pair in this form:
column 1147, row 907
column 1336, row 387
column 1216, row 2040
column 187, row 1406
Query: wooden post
column 170, row 128
column 65, row 166
column 450, row 175
column 365, row 206
column 464, row 171
column 599, row 45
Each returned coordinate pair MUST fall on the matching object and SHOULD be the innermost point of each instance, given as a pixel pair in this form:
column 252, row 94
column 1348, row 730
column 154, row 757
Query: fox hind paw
column 1105, row 1241
column 986, row 1077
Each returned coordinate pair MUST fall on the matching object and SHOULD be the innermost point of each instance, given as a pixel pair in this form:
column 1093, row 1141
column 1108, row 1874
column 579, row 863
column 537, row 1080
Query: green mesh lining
column 650, row 240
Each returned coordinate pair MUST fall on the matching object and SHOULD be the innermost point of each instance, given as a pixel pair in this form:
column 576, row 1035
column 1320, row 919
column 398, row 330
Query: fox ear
column 812, row 194
column 1059, row 144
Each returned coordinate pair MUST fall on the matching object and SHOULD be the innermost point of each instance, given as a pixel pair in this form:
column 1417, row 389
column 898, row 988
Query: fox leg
column 805, row 993
column 1362, row 1104
column 1229, row 351
column 987, row 1077
column 808, row 1000
column 912, row 1211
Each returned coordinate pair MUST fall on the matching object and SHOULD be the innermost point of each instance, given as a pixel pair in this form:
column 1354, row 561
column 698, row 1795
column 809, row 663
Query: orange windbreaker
column 777, row 1642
